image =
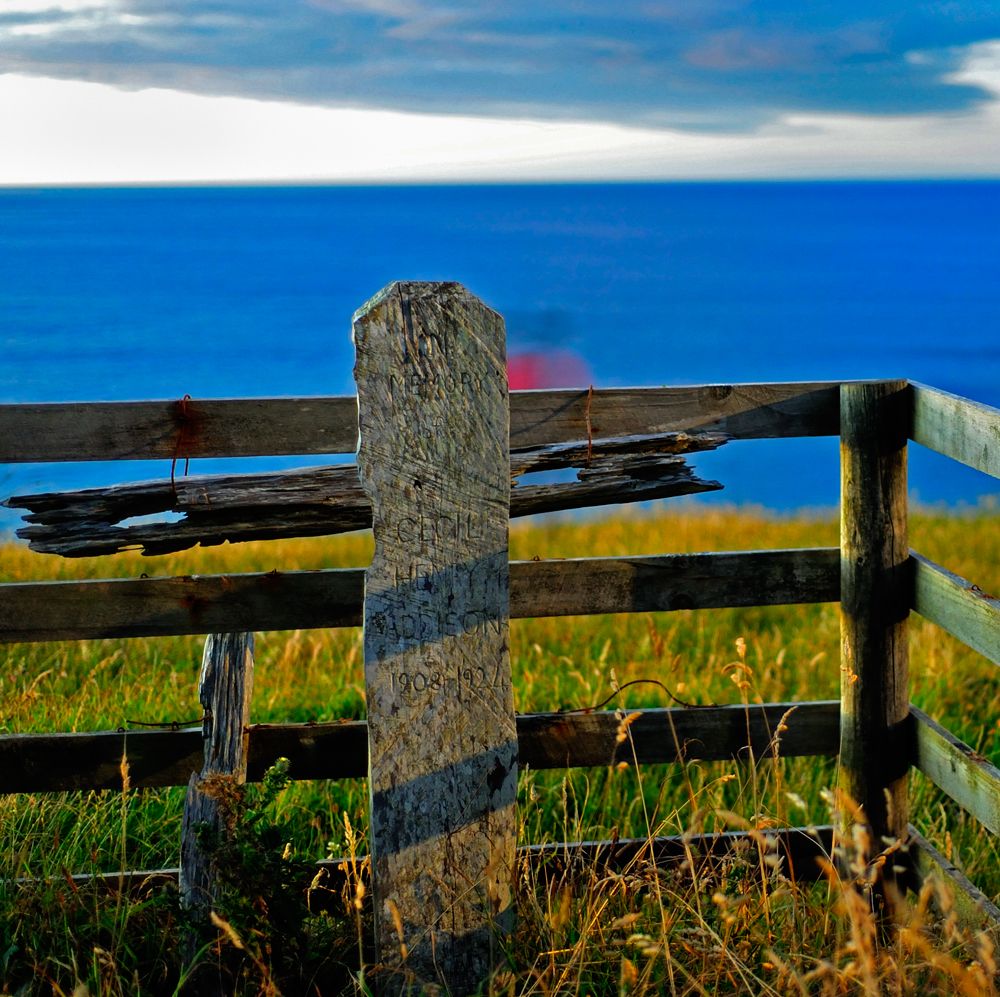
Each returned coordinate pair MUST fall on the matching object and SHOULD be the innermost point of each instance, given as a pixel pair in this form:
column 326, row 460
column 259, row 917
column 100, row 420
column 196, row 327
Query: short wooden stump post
column 434, row 458
column 225, row 690
column 875, row 597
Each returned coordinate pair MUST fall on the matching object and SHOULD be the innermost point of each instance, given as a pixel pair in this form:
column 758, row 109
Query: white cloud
column 981, row 67
column 86, row 16
column 40, row 28
column 64, row 132
column 8, row 7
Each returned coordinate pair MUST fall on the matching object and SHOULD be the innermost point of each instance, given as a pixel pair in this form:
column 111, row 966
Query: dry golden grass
column 645, row 932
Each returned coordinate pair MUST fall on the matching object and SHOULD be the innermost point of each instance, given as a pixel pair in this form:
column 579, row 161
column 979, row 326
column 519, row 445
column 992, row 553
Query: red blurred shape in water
column 554, row 369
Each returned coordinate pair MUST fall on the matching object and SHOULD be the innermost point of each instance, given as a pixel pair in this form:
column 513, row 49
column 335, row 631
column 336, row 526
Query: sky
column 363, row 91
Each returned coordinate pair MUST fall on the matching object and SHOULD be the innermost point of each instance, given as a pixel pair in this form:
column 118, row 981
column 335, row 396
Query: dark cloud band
column 715, row 64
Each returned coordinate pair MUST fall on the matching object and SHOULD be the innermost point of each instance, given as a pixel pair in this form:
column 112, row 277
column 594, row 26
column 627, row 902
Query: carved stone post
column 434, row 458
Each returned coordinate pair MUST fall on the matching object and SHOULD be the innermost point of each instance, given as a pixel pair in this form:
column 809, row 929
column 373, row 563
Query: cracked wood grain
column 322, row 501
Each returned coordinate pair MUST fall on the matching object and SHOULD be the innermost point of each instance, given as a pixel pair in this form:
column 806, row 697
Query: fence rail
column 969, row 779
column 263, row 427
column 957, row 605
column 301, row 600
column 35, row 763
column 966, row 431
column 267, row 427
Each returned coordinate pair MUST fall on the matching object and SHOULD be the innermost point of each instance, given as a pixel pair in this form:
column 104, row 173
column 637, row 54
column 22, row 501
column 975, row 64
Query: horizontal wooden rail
column 667, row 582
column 326, row 500
column 162, row 430
column 964, row 430
column 794, row 852
column 798, row 848
column 973, row 909
column 253, row 427
column 956, row 605
column 34, row 763
column 954, row 767
column 302, row 600
column 339, row 484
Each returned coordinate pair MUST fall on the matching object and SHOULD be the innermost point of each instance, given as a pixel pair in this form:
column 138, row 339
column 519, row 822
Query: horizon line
column 264, row 183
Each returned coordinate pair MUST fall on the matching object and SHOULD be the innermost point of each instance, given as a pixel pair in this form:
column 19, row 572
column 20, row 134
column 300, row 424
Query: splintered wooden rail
column 323, row 501
column 443, row 451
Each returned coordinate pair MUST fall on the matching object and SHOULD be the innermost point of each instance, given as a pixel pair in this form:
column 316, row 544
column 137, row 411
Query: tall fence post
column 875, row 600
column 434, row 459
column 225, row 690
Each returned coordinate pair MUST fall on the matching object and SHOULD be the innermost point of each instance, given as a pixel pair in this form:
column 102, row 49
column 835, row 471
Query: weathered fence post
column 225, row 690
column 875, row 601
column 434, row 458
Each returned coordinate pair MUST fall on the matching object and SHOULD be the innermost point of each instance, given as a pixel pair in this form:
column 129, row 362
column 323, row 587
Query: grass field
column 683, row 937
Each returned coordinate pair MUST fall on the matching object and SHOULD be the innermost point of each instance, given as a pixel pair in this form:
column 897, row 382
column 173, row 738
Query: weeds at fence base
column 263, row 937
column 737, row 924
column 727, row 924
column 736, row 921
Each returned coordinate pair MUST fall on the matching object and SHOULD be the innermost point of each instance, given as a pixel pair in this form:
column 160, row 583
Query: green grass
column 792, row 654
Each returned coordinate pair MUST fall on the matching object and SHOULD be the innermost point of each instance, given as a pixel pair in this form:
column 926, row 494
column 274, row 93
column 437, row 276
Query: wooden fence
column 874, row 575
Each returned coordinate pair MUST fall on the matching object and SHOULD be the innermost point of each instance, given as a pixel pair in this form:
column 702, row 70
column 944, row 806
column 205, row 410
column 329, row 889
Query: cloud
column 738, row 49
column 981, row 67
column 701, row 64
column 65, row 132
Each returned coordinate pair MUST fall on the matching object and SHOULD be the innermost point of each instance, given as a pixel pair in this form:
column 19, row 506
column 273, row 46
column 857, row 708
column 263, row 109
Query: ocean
column 248, row 291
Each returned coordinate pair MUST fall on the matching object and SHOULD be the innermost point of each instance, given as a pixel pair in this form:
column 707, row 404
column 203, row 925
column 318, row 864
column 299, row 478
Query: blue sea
column 216, row 292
